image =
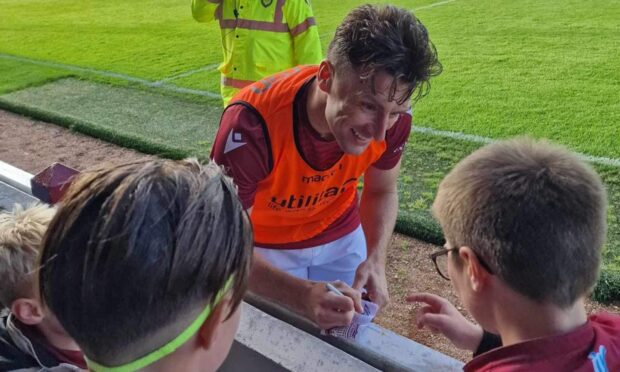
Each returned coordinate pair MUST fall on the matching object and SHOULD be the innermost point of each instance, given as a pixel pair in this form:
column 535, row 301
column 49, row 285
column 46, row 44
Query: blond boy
column 30, row 336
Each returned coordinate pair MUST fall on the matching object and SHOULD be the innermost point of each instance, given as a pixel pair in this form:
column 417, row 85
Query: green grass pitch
column 546, row 68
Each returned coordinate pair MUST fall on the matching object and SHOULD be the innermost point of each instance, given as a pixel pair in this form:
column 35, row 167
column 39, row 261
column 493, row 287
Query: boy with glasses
column 524, row 223
column 145, row 265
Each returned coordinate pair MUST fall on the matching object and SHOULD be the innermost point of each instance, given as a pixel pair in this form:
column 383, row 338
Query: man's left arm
column 378, row 211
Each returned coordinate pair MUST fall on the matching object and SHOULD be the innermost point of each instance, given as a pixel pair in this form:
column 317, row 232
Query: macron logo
column 233, row 141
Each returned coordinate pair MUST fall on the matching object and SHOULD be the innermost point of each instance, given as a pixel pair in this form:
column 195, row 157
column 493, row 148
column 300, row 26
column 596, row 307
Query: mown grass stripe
column 76, row 68
column 485, row 140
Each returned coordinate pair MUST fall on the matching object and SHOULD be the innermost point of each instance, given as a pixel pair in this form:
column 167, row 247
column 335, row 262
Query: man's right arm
column 204, row 10
column 308, row 298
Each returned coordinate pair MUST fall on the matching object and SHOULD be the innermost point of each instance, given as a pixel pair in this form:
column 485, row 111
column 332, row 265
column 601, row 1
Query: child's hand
column 440, row 316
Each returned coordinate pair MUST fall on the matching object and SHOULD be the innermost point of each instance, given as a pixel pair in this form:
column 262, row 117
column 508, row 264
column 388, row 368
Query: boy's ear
column 27, row 310
column 208, row 332
column 477, row 275
column 325, row 75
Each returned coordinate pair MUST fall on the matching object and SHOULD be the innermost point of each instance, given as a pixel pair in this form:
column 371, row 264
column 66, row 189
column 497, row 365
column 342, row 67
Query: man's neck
column 315, row 108
column 518, row 321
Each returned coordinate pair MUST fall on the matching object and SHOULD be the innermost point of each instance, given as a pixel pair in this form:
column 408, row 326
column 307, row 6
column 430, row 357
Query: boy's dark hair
column 534, row 212
column 386, row 38
column 139, row 248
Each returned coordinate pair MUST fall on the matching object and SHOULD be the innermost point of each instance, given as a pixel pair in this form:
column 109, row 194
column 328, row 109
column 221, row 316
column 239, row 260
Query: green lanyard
column 168, row 348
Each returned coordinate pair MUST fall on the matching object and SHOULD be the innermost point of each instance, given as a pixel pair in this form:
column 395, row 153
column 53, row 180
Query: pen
column 331, row 288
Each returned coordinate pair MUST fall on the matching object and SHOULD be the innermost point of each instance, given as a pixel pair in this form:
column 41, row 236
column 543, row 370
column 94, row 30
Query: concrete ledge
column 409, row 354
column 377, row 346
column 9, row 196
column 15, row 177
column 290, row 348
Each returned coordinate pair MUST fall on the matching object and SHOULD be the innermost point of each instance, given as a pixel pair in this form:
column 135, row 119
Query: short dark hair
column 533, row 211
column 385, row 38
column 137, row 247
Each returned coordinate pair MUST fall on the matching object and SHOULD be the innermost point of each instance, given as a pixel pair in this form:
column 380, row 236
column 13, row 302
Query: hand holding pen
column 352, row 293
column 333, row 307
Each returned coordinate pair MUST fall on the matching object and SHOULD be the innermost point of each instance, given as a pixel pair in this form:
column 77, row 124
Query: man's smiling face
column 355, row 116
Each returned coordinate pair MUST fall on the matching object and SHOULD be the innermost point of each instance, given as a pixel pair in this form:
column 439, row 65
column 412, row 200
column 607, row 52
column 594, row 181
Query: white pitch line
column 486, row 140
column 434, row 5
column 111, row 74
column 455, row 135
column 324, row 34
column 206, row 68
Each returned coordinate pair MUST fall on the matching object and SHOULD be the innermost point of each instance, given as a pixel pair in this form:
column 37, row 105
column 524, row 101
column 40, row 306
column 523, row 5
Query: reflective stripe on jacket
column 260, row 38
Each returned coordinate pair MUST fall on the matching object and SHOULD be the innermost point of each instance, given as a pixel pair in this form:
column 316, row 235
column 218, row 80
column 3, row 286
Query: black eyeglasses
column 442, row 255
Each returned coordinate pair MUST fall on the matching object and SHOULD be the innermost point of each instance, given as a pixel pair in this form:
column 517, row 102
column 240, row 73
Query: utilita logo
column 298, row 202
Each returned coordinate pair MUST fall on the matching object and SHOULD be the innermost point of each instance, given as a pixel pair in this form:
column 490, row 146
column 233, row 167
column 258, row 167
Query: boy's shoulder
column 599, row 339
column 17, row 352
column 607, row 331
column 606, row 339
column 606, row 320
column 11, row 355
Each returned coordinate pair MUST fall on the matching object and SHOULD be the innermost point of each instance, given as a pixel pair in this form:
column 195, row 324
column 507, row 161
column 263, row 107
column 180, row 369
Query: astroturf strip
column 115, row 75
column 91, row 129
column 128, row 112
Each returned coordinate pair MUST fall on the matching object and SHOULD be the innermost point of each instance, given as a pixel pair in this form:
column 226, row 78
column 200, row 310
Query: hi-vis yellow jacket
column 260, row 38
